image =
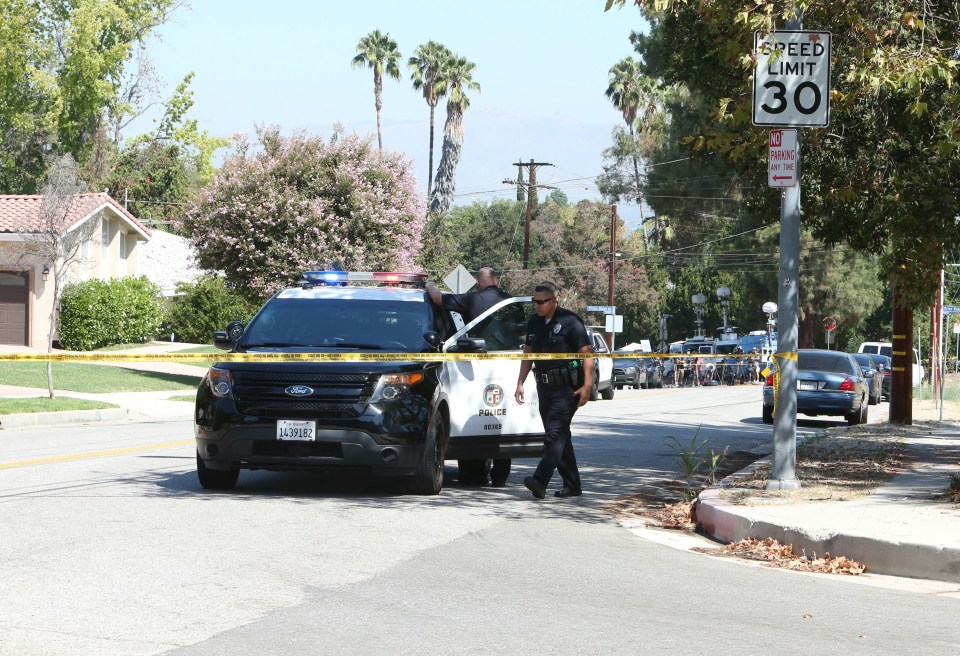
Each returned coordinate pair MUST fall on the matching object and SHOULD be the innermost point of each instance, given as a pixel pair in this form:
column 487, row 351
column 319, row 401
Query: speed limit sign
column 791, row 79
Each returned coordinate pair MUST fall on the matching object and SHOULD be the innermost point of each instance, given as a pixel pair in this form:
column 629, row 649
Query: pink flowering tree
column 298, row 203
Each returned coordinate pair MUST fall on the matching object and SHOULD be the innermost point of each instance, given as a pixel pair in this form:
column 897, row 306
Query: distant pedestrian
column 562, row 387
column 471, row 305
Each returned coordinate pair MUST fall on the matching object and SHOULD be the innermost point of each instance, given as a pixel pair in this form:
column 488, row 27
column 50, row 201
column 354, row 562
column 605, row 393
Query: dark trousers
column 557, row 407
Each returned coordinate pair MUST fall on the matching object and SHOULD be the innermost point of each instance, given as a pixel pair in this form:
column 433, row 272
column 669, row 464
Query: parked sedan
column 626, row 372
column 886, row 370
column 828, row 383
column 651, row 373
column 872, row 372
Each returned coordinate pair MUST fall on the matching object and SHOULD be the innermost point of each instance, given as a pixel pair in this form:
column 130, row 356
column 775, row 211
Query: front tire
column 428, row 479
column 215, row 479
column 596, row 383
column 607, row 394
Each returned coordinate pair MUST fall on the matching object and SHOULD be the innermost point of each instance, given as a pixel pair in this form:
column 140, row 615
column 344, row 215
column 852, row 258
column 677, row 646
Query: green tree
column 299, row 203
column 457, row 77
column 162, row 170
column 63, row 65
column 379, row 53
column 428, row 78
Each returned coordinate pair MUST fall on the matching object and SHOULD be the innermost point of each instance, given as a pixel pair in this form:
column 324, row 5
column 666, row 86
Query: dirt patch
column 837, row 467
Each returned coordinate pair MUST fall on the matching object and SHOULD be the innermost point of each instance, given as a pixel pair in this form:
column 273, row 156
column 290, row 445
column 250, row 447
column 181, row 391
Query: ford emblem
column 298, row 390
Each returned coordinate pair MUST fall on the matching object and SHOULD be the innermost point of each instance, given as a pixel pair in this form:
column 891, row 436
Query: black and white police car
column 396, row 418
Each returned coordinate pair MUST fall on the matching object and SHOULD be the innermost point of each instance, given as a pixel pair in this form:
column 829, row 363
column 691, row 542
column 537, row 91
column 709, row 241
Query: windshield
column 340, row 323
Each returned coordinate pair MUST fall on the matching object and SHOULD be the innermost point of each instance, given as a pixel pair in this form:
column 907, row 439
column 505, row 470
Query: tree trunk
column 378, row 102
column 442, row 197
column 901, row 381
column 430, row 165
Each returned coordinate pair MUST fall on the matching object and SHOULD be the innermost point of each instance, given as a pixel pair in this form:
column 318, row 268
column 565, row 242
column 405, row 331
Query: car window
column 886, row 350
column 505, row 329
column 831, row 362
column 347, row 323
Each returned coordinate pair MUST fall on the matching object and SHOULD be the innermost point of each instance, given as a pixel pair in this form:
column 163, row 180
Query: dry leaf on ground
column 775, row 554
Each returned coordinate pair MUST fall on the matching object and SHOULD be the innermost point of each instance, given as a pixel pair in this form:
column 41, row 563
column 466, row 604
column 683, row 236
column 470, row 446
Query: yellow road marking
column 93, row 454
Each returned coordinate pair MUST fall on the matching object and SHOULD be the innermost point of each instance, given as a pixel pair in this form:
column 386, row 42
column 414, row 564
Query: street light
column 45, row 273
column 723, row 294
column 698, row 301
column 771, row 309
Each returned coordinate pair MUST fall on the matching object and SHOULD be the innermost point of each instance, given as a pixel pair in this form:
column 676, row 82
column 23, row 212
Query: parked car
column 626, row 373
column 886, row 366
column 872, row 371
column 886, row 348
column 651, row 373
column 828, row 383
column 602, row 368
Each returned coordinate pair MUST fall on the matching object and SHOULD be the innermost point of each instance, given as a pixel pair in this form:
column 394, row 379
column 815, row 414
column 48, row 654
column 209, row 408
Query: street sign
column 614, row 323
column 791, row 79
column 606, row 309
column 951, row 309
column 782, row 159
column 460, row 280
column 829, row 324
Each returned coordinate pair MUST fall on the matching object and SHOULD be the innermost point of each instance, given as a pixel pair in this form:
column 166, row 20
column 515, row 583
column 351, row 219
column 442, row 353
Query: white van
column 886, row 348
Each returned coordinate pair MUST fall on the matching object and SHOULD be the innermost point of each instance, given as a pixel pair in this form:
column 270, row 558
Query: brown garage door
column 13, row 308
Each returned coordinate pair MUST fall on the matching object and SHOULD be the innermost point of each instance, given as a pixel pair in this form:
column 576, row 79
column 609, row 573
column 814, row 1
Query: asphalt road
column 109, row 546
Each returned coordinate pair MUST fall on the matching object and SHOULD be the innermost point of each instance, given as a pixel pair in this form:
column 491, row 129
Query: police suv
column 390, row 417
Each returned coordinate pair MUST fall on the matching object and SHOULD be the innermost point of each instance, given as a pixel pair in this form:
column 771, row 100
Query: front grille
column 334, row 395
column 292, row 449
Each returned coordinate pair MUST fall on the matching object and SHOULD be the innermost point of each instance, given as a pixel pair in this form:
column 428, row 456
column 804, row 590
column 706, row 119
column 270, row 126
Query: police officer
column 562, row 386
column 470, row 306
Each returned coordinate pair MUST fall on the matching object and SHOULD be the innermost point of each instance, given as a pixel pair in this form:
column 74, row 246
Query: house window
column 123, row 246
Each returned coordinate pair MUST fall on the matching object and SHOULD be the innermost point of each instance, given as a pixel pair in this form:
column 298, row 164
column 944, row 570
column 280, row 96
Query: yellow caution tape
column 337, row 357
column 788, row 355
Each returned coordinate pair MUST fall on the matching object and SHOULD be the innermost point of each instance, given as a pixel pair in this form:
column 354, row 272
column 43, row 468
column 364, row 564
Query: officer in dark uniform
column 470, row 306
column 562, row 386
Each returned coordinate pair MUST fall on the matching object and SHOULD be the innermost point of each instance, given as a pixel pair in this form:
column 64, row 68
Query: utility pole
column 613, row 263
column 531, row 189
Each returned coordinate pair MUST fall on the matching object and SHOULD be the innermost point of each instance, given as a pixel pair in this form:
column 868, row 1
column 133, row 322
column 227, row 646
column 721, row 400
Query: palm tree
column 624, row 92
column 457, row 77
column 379, row 52
column 426, row 77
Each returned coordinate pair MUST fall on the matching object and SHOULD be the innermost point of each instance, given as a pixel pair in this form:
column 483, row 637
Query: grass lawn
column 80, row 377
column 46, row 404
column 190, row 398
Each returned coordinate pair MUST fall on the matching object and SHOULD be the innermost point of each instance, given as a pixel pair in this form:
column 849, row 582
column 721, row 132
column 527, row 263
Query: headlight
column 220, row 382
column 391, row 387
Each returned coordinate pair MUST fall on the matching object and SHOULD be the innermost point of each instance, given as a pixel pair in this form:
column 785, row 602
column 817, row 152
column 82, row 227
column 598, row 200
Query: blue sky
column 542, row 66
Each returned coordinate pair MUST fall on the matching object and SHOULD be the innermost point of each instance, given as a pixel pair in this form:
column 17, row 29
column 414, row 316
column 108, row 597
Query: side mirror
column 221, row 341
column 471, row 345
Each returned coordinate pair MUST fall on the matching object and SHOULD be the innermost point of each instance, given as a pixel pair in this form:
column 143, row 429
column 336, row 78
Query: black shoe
column 498, row 483
column 567, row 492
column 538, row 489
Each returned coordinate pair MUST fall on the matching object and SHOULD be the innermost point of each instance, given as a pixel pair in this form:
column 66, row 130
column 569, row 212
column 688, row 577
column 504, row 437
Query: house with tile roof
column 109, row 238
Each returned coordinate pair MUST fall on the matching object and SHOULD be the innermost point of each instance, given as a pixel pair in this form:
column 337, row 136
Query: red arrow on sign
column 783, row 177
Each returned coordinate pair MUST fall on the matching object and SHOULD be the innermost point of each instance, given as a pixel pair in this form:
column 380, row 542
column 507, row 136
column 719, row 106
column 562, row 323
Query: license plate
column 301, row 431
column 807, row 384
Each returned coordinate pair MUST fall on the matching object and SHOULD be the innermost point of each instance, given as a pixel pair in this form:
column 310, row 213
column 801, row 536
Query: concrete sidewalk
column 905, row 528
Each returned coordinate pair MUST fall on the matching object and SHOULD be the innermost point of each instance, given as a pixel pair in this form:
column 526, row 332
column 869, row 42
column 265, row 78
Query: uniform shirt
column 472, row 304
column 564, row 333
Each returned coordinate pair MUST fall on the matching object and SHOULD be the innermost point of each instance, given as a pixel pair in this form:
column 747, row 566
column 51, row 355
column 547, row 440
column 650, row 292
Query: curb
column 38, row 419
column 727, row 523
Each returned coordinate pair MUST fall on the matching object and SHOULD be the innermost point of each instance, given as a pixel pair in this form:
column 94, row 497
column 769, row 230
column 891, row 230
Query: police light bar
column 343, row 277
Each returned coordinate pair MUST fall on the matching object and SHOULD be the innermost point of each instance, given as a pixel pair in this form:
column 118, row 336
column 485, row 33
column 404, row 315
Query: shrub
column 97, row 313
column 206, row 306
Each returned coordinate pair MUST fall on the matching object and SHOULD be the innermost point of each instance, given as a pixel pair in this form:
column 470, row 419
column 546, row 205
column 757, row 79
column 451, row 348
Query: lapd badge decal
column 556, row 329
column 493, row 395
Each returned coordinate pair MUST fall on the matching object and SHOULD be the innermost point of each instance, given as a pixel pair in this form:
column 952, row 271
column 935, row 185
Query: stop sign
column 829, row 323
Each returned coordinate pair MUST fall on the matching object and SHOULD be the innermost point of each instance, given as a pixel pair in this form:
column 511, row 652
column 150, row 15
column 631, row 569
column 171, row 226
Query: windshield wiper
column 357, row 345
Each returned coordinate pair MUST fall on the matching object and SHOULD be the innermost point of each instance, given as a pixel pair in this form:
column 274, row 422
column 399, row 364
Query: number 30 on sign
column 791, row 80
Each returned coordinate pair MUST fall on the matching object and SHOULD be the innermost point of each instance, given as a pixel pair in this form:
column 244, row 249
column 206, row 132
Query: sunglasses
column 539, row 302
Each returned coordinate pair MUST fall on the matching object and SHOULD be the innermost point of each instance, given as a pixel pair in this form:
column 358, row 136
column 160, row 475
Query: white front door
column 481, row 391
